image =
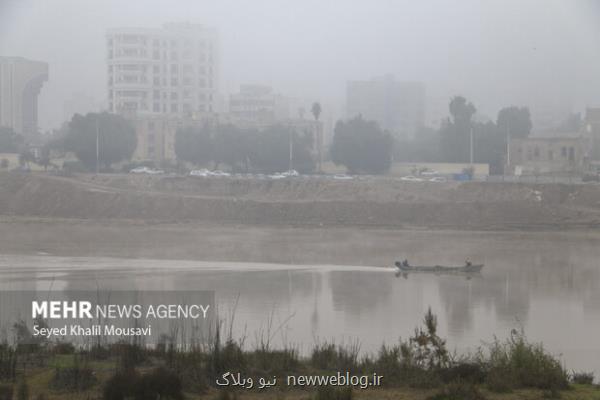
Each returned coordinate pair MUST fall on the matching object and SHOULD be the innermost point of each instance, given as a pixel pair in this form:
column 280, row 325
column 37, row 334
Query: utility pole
column 291, row 150
column 471, row 146
column 507, row 147
column 97, row 147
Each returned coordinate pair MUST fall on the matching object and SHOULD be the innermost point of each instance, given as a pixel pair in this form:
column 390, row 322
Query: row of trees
column 452, row 142
column 358, row 144
column 274, row 149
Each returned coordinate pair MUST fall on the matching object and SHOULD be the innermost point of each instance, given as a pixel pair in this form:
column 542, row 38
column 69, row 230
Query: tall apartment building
column 398, row 107
column 158, row 76
column 162, row 71
column 20, row 83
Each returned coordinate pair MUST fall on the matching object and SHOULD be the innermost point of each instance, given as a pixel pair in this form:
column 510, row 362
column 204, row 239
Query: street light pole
column 471, row 146
column 97, row 148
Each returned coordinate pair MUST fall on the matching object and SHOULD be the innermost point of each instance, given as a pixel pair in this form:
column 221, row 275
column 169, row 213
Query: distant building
column 398, row 107
column 592, row 130
column 548, row 155
column 170, row 71
column 20, row 83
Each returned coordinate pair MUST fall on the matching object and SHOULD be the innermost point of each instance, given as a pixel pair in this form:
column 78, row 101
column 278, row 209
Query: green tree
column 455, row 132
column 316, row 110
column 116, row 138
column 516, row 121
column 232, row 146
column 10, row 142
column 194, row 144
column 271, row 150
column 361, row 146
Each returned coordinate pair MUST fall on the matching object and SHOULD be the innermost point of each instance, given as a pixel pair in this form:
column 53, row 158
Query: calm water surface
column 547, row 284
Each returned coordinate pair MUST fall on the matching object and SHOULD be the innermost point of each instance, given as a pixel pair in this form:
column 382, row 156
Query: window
column 536, row 152
column 174, row 107
column 156, row 107
column 174, row 96
column 550, row 155
column 563, row 152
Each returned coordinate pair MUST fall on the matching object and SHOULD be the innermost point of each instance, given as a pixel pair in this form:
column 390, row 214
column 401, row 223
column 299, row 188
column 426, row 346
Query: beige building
column 170, row 71
column 549, row 155
column 20, row 83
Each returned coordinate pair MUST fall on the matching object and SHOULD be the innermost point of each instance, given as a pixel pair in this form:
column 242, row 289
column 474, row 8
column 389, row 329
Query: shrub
column 6, row 392
column 518, row 363
column 72, row 378
column 458, row 391
column 582, row 378
column 328, row 356
column 22, row 390
column 331, row 393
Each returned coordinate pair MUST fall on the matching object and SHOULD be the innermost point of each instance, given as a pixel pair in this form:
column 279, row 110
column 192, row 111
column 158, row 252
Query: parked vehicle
column 438, row 179
column 342, row 177
column 290, row 173
column 146, row 170
column 200, row 172
column 411, row 178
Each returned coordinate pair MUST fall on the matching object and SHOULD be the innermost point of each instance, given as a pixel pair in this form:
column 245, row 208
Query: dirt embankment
column 375, row 202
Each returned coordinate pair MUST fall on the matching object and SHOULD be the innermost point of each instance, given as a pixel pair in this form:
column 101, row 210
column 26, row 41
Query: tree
column 10, row 142
column 194, row 144
column 232, row 146
column 115, row 136
column 361, row 146
column 271, row 150
column 316, row 110
column 514, row 121
column 455, row 133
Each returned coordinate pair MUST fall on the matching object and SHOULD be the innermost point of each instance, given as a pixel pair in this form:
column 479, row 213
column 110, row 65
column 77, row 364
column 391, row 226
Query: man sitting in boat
column 468, row 263
column 405, row 263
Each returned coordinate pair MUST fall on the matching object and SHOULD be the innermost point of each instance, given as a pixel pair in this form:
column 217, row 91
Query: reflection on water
column 547, row 285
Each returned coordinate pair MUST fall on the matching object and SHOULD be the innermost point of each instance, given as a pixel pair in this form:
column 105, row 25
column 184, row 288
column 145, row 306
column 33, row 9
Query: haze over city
column 540, row 54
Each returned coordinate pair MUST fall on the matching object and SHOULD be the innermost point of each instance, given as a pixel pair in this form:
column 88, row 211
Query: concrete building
column 398, row 107
column 566, row 154
column 170, row 71
column 20, row 83
column 160, row 77
column 592, row 131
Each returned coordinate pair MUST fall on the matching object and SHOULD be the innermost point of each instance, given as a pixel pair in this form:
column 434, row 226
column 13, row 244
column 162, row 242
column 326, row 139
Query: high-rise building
column 398, row 107
column 20, row 84
column 170, row 71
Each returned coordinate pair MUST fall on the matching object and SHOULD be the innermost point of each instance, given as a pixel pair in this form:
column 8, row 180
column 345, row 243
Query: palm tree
column 316, row 112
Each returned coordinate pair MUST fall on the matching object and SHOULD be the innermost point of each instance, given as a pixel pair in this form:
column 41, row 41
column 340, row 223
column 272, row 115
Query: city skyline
column 477, row 51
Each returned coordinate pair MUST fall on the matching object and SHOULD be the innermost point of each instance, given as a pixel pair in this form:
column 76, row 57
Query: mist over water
column 529, row 281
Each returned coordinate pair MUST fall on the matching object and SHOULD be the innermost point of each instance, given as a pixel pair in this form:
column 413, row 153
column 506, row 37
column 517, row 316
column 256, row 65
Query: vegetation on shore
column 420, row 367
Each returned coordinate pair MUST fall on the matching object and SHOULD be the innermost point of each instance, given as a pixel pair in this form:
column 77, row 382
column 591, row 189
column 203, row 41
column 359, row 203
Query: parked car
column 277, row 175
column 429, row 172
column 342, row 177
column 290, row 173
column 146, row 170
column 200, row 172
column 219, row 173
column 438, row 179
column 411, row 178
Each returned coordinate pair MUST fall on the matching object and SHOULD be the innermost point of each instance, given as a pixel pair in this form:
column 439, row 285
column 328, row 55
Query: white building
column 171, row 71
column 20, row 83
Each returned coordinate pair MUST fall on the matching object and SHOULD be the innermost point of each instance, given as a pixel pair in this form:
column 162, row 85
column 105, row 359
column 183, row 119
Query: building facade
column 549, row 155
column 158, row 78
column 170, row 71
column 20, row 83
column 398, row 107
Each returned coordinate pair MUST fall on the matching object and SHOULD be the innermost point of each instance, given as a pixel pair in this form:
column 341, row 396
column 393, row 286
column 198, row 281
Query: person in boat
column 468, row 262
column 405, row 263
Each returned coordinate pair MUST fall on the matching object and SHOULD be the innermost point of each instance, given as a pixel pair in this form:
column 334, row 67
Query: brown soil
column 378, row 202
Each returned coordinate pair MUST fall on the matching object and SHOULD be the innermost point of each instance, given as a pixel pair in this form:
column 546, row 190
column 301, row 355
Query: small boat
column 467, row 268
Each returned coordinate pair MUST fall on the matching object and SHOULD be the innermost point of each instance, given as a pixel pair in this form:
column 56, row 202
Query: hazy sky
column 541, row 53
